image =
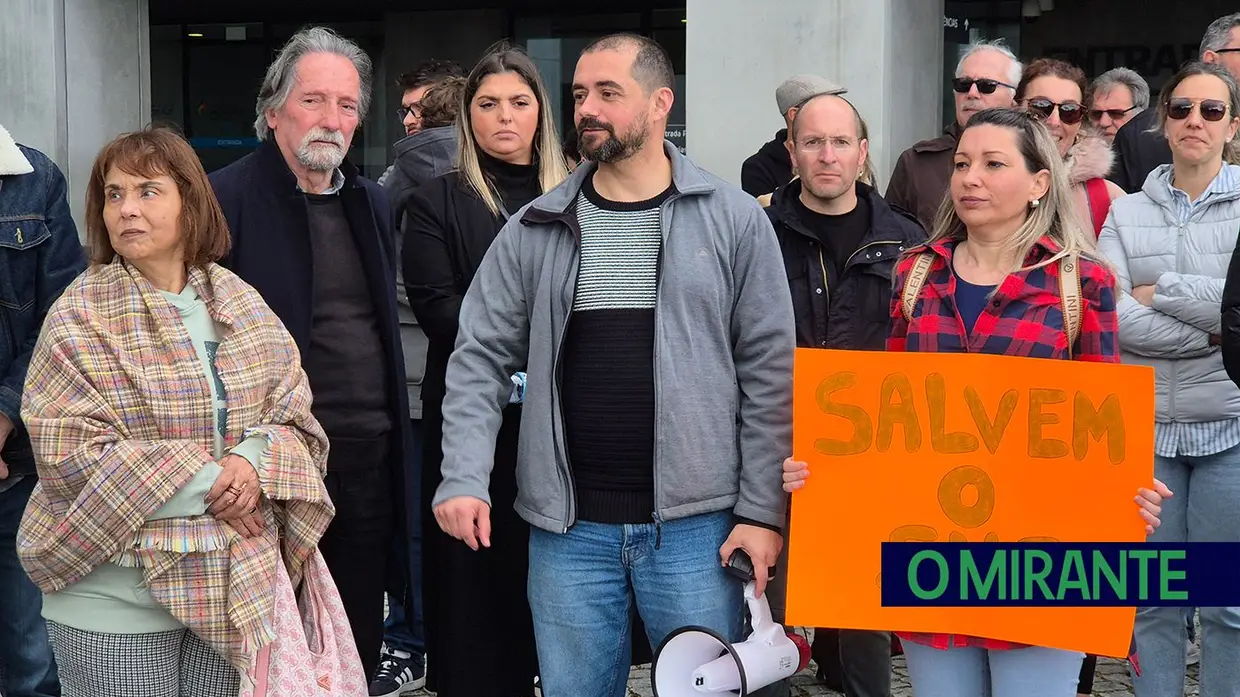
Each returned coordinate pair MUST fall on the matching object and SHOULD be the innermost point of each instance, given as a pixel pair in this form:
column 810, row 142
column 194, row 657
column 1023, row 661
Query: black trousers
column 357, row 542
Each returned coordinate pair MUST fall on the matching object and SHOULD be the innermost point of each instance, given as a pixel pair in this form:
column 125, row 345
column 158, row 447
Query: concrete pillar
column 888, row 53
column 76, row 73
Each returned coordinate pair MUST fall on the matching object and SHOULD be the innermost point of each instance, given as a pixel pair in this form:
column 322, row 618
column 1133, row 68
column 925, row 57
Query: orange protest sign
column 953, row 448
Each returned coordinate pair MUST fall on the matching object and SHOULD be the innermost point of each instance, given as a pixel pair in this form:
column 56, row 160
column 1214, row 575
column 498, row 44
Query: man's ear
column 663, row 100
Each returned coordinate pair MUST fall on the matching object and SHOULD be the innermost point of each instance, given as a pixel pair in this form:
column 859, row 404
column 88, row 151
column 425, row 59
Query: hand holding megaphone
column 696, row 660
column 761, row 547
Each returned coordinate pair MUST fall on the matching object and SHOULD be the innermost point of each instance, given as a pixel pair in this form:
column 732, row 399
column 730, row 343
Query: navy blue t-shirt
column 970, row 300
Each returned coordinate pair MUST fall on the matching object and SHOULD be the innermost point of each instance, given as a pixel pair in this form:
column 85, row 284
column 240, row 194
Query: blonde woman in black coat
column 479, row 635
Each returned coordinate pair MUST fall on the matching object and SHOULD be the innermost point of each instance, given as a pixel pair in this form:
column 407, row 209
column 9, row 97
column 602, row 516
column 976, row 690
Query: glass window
column 205, row 79
column 555, row 42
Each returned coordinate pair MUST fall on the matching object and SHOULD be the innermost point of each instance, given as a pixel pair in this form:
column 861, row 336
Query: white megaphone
column 696, row 660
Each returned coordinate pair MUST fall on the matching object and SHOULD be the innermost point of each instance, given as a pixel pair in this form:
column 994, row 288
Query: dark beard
column 613, row 148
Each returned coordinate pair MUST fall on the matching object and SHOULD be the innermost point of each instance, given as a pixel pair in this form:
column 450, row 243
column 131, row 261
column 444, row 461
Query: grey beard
column 320, row 158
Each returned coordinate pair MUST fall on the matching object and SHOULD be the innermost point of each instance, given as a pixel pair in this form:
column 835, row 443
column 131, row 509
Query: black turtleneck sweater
column 517, row 184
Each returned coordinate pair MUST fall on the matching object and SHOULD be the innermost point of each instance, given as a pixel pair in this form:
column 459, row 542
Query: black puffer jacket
column 850, row 310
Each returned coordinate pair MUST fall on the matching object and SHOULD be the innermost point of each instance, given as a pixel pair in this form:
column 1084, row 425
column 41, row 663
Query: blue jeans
column 977, row 672
column 400, row 631
column 25, row 653
column 1202, row 510
column 585, row 584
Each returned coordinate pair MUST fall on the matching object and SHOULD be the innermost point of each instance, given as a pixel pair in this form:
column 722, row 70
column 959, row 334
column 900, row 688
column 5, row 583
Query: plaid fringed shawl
column 121, row 416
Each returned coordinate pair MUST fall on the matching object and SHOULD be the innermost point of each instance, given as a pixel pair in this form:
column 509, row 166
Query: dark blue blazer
column 271, row 251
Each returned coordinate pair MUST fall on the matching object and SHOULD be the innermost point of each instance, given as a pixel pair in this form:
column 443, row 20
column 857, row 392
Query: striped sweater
column 609, row 358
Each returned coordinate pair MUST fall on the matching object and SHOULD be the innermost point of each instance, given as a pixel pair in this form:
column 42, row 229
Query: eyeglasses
column 1179, row 108
column 985, row 85
column 1115, row 114
column 1069, row 112
column 404, row 111
column 812, row 145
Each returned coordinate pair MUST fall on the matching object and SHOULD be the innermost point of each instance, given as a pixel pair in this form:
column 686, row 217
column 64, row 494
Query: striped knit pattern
column 619, row 258
column 609, row 359
column 121, row 416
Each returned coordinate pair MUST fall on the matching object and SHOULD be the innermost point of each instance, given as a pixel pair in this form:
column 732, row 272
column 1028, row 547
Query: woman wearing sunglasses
column 1170, row 245
column 1054, row 91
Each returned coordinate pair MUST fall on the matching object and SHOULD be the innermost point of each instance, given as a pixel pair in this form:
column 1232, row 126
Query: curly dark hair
column 441, row 103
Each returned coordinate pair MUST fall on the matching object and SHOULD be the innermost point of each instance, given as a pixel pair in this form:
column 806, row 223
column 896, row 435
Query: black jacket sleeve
column 1231, row 319
column 757, row 180
column 426, row 262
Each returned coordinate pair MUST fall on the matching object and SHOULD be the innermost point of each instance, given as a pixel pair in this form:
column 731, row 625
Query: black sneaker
column 398, row 673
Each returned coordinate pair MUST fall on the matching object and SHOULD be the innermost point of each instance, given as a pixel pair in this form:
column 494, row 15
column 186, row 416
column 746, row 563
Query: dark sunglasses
column 1115, row 114
column 1179, row 108
column 962, row 85
column 404, row 111
column 1069, row 112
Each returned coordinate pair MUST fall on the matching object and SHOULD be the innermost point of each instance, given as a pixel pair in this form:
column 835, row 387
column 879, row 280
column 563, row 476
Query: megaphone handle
column 760, row 617
column 740, row 565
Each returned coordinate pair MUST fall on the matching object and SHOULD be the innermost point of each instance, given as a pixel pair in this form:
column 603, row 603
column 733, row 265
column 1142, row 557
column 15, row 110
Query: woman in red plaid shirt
column 992, row 286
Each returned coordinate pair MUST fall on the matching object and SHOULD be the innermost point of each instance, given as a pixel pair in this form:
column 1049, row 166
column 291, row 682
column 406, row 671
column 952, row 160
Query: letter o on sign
column 952, row 486
column 944, row 575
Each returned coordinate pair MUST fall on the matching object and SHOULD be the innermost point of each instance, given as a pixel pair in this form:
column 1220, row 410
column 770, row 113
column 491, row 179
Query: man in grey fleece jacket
column 648, row 304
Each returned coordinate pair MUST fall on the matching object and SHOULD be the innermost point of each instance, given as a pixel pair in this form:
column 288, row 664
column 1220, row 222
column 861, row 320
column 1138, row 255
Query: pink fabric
column 314, row 654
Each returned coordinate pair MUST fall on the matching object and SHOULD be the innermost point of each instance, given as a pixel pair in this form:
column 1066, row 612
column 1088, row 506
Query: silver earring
column 1035, row 203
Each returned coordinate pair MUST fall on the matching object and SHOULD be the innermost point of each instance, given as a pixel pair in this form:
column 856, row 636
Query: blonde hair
column 1054, row 216
column 548, row 155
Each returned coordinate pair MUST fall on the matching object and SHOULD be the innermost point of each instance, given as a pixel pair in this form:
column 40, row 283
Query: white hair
column 282, row 73
column 998, row 46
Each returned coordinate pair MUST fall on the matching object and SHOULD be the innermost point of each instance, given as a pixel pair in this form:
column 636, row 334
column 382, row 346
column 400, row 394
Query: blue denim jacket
column 40, row 254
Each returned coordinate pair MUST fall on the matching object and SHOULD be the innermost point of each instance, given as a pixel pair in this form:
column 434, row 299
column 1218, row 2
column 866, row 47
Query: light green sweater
column 114, row 599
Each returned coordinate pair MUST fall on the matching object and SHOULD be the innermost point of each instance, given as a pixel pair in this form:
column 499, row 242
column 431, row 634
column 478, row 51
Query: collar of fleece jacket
column 12, row 161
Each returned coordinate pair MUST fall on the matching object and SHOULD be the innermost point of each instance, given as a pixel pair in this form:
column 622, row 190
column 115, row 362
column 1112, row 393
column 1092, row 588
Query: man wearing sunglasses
column 1115, row 98
column 986, row 77
column 1138, row 151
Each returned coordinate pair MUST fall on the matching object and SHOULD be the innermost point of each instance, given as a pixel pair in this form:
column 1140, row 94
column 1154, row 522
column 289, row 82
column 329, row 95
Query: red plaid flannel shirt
column 1025, row 318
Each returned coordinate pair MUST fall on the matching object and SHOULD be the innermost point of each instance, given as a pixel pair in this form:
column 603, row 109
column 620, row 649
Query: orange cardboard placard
column 962, row 447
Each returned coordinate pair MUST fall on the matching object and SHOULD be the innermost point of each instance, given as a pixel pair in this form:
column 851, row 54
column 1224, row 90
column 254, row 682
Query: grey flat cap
column 797, row 89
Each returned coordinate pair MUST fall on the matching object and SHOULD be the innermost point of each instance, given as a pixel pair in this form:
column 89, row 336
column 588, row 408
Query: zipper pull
column 19, row 236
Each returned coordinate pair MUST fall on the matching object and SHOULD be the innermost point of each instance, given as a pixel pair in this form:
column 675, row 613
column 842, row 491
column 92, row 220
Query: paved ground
column 1111, row 680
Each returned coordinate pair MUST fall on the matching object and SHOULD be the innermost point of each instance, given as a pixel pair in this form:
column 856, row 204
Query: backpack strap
column 1070, row 297
column 1099, row 202
column 1069, row 291
column 914, row 282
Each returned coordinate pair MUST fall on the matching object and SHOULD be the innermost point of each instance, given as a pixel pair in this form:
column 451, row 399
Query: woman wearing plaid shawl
column 180, row 467
column 992, row 286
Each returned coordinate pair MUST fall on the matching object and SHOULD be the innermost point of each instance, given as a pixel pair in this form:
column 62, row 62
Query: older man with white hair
column 316, row 239
column 986, row 77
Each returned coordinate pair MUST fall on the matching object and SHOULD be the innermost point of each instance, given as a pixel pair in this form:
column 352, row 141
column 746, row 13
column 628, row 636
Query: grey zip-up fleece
column 724, row 342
